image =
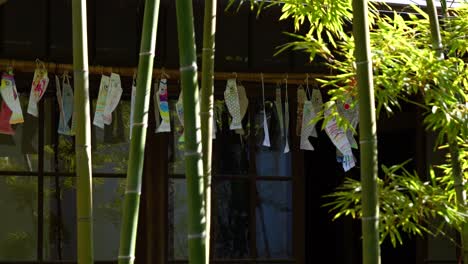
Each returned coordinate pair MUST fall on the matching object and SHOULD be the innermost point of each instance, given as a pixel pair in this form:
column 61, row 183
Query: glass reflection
column 110, row 146
column 274, row 219
column 231, row 145
column 18, row 152
column 176, row 145
column 231, row 220
column 60, row 217
column 18, row 231
column 270, row 161
column 178, row 217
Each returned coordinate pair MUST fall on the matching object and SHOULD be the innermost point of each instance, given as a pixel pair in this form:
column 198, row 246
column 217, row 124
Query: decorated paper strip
column 113, row 98
column 5, row 115
column 243, row 103
column 66, row 97
column 180, row 108
column 266, row 139
column 132, row 105
column 156, row 104
column 163, row 103
column 279, row 108
column 286, row 119
column 301, row 96
column 11, row 98
column 180, row 114
column 38, row 88
column 339, row 139
column 231, row 98
column 101, row 101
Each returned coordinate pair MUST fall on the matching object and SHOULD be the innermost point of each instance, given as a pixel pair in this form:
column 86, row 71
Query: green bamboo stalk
column 138, row 137
column 435, row 29
column 460, row 193
column 206, row 108
column 193, row 149
column 83, row 135
column 453, row 146
column 367, row 134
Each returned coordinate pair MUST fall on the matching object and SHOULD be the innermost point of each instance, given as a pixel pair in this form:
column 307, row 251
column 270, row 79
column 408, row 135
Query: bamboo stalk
column 206, row 108
column 193, row 150
column 138, row 137
column 367, row 134
column 453, row 146
column 83, row 135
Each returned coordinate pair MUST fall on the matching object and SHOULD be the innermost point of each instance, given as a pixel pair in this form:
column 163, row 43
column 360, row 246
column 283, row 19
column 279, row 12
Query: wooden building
column 267, row 205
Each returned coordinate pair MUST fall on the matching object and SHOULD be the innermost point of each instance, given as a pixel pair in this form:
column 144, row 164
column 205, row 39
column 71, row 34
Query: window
column 252, row 198
column 37, row 185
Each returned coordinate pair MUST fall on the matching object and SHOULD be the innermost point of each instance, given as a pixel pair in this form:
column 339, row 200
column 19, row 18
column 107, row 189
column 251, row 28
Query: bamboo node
column 191, row 67
column 143, row 124
column 131, row 258
column 366, row 141
column 192, row 154
column 362, row 62
column 133, row 191
column 206, row 113
column 370, row 218
column 84, row 219
column 196, row 236
column 146, row 53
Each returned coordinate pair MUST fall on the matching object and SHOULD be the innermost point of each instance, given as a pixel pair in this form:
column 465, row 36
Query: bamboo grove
column 413, row 60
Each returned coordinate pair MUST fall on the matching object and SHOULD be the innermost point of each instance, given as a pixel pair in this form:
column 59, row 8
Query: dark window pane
column 18, row 143
column 231, row 145
column 59, row 219
column 178, row 217
column 271, row 161
column 18, row 231
column 111, row 145
column 274, row 219
column 60, row 243
column 108, row 196
column 230, row 221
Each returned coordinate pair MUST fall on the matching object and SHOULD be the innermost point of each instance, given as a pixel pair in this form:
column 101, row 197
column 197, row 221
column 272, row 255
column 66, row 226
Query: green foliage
column 407, row 204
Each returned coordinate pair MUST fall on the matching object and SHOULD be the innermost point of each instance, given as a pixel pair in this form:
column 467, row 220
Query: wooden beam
column 57, row 68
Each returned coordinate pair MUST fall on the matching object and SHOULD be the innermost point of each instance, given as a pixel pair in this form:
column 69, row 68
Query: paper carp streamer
column 113, row 98
column 38, row 88
column 5, row 115
column 163, row 103
column 11, row 98
column 317, row 101
column 308, row 129
column 279, row 108
column 301, row 96
column 231, row 98
column 339, row 139
column 266, row 139
column 286, row 119
column 65, row 101
column 243, row 105
column 101, row 101
column 351, row 114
